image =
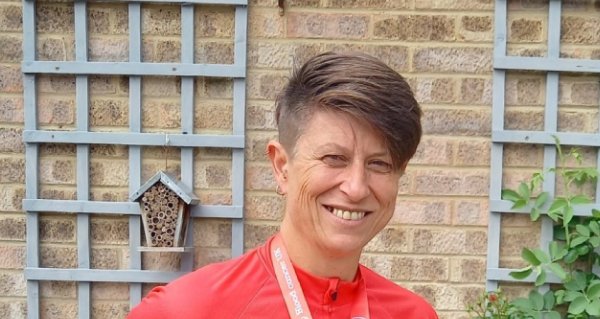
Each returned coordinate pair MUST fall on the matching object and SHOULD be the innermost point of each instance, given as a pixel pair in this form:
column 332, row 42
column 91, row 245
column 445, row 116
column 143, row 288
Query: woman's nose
column 355, row 184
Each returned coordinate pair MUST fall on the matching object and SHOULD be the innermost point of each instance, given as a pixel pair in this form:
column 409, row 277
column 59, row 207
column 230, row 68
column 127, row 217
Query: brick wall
column 436, row 242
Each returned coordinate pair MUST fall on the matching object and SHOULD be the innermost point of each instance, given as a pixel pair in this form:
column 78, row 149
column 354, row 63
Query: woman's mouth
column 346, row 214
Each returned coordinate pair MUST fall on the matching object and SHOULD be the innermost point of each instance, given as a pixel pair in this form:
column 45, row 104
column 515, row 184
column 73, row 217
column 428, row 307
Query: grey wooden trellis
column 552, row 64
column 134, row 139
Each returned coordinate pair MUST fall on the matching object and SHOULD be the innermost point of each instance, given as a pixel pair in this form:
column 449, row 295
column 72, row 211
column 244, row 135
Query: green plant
column 491, row 305
column 572, row 253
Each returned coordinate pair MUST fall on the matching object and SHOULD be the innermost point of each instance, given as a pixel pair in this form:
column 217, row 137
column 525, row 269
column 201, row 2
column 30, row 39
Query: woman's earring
column 279, row 191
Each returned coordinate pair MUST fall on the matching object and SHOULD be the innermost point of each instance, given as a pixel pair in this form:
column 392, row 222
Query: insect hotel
column 165, row 209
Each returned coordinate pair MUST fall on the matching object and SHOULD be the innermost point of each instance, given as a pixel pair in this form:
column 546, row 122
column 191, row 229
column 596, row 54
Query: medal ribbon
column 292, row 291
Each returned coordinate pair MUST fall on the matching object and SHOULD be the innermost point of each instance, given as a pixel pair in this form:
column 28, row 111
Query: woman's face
column 340, row 184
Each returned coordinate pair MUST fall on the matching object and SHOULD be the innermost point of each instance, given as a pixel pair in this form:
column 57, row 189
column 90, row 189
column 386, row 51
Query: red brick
column 415, row 212
column 108, row 49
column 11, row 140
column 59, row 111
column 99, row 20
column 57, row 171
column 256, row 234
column 215, row 116
column 109, row 310
column 11, row 18
column 58, row 289
column 457, row 122
column 453, row 60
column 55, row 18
column 369, row 4
column 214, row 53
column 13, row 257
column 390, row 240
column 415, row 28
column 214, row 21
column 11, row 79
column 580, row 30
column 110, row 291
column 473, row 153
column 462, row 5
column 12, row 170
column 336, row 26
column 264, row 207
column 11, row 109
column 161, row 20
column 212, row 233
column 430, row 90
column 475, row 91
column 259, row 177
column 204, row 256
column 12, row 284
column 265, row 24
column 11, row 49
column 471, row 212
column 109, row 112
column 438, row 182
column 525, row 31
column 419, row 268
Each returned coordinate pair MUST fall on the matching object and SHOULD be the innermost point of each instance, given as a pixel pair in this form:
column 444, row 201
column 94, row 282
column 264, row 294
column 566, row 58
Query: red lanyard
column 292, row 291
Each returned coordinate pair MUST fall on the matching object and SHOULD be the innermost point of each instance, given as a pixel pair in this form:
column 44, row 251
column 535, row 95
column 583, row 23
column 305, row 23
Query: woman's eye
column 334, row 160
column 380, row 166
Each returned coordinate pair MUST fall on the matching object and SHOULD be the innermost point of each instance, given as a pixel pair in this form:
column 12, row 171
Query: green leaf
column 596, row 213
column 522, row 304
column 553, row 315
column 560, row 296
column 571, row 256
column 535, row 213
column 578, row 241
column 578, row 305
column 530, row 257
column 541, row 200
column 572, row 295
column 510, row 195
column 581, row 279
column 568, row 214
column 557, row 205
column 541, row 278
column 580, row 199
column 537, row 300
column 521, row 273
column 595, row 227
column 541, row 255
column 583, row 250
column 549, row 300
column 593, row 290
column 519, row 204
column 557, row 269
column 593, row 309
column 582, row 230
column 524, row 190
column 595, row 241
column 557, row 251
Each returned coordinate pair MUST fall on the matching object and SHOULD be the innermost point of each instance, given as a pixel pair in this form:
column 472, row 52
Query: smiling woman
column 348, row 124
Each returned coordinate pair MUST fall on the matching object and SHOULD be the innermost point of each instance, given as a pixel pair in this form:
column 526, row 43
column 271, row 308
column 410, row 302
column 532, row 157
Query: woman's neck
column 315, row 260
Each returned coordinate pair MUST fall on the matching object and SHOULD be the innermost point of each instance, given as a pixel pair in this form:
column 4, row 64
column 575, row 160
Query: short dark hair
column 357, row 84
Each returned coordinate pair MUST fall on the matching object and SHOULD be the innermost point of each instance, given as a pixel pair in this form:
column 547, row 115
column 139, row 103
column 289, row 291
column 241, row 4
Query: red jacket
column 246, row 287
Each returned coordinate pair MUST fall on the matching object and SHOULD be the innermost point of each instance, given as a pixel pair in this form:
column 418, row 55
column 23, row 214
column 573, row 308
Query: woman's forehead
column 339, row 128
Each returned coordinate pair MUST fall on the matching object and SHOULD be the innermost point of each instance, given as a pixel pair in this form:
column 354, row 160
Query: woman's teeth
column 348, row 215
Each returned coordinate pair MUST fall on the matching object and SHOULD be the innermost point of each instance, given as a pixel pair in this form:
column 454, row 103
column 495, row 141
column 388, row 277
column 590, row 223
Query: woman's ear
column 279, row 163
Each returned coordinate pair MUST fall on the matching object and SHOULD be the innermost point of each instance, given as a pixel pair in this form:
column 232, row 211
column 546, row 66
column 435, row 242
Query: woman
column 348, row 124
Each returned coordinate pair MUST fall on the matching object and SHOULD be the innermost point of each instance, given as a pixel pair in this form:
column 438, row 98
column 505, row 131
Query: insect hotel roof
column 170, row 182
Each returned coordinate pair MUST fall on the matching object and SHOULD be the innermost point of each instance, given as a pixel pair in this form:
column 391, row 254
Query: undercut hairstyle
column 356, row 84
